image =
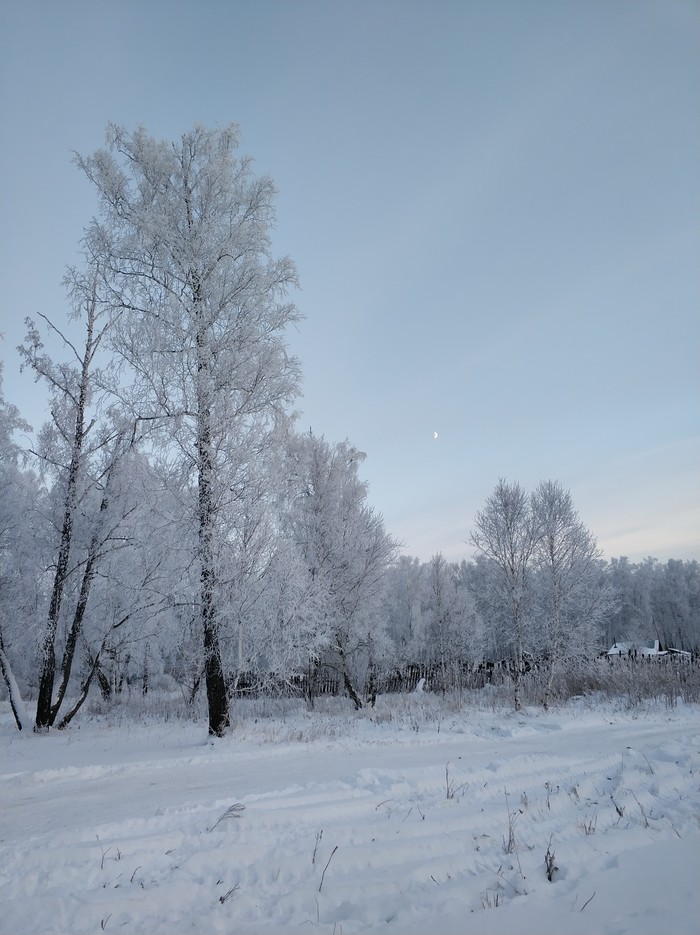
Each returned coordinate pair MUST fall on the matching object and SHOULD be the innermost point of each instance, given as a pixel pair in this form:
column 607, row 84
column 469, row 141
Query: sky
column 493, row 206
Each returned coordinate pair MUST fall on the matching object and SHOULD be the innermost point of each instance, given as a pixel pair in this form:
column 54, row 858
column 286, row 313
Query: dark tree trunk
column 217, row 695
column 352, row 694
column 48, row 663
column 81, row 606
column 104, row 683
column 194, row 689
column 347, row 681
column 71, row 642
column 48, row 660
column 312, row 678
column 371, row 692
column 11, row 683
column 65, row 721
column 44, row 717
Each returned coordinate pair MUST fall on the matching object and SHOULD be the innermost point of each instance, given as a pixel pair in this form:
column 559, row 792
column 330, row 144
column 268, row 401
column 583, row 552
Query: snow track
column 388, row 832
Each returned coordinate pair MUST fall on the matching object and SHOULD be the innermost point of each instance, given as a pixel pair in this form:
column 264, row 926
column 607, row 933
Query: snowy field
column 416, row 817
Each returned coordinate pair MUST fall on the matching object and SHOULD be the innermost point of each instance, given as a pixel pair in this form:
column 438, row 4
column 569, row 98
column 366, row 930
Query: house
column 620, row 649
column 652, row 648
column 648, row 648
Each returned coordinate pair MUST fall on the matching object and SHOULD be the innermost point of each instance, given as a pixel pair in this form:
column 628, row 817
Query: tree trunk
column 48, row 669
column 81, row 606
column 518, row 628
column 311, row 683
column 16, row 703
column 347, row 681
column 349, row 688
column 65, row 721
column 71, row 642
column 553, row 641
column 517, row 690
column 371, row 691
column 44, row 701
column 548, row 686
column 194, row 689
column 217, row 695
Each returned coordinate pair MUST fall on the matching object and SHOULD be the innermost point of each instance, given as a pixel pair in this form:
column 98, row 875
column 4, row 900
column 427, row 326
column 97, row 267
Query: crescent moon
column 435, row 434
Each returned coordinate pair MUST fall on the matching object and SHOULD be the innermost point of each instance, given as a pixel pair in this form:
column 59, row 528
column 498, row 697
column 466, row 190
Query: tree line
column 170, row 525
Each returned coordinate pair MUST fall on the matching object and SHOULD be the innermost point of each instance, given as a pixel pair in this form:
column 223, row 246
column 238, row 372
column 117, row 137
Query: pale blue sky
column 494, row 207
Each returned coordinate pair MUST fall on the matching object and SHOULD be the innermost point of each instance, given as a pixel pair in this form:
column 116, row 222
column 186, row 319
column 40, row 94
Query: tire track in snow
column 143, row 832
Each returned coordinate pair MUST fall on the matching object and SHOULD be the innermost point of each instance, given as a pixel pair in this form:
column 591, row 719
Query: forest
column 169, row 530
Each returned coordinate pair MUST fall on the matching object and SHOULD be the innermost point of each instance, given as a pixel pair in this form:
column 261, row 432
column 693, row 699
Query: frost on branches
column 184, row 240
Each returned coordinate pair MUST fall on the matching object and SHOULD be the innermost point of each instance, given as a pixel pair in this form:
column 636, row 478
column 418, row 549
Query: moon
column 435, row 435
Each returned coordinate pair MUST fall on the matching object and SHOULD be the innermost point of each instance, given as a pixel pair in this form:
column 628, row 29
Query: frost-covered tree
column 269, row 601
column 79, row 451
column 346, row 552
column 452, row 624
column 624, row 622
column 19, row 493
column 402, row 608
column 505, row 535
column 493, row 639
column 443, row 628
column 183, row 236
column 473, row 630
column 676, row 600
column 573, row 599
column 655, row 601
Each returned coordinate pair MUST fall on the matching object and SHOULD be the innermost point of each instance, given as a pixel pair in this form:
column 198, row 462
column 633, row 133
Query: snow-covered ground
column 417, row 817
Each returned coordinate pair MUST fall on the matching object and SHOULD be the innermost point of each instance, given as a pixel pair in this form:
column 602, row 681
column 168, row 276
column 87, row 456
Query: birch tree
column 183, row 234
column 346, row 552
column 78, row 450
column 574, row 599
column 505, row 534
column 403, row 611
column 270, row 602
column 451, row 619
column 18, row 490
column 676, row 597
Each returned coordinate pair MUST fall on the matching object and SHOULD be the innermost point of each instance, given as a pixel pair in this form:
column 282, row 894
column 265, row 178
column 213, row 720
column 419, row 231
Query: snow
column 395, row 820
